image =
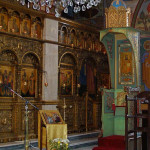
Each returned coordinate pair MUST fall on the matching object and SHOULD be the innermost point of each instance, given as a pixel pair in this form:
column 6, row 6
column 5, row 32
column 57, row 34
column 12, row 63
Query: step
column 84, row 135
column 78, row 140
column 83, row 143
column 17, row 145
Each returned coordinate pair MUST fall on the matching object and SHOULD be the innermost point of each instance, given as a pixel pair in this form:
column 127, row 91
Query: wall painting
column 142, row 21
column 126, row 64
column 121, row 99
column 146, row 65
column 108, row 101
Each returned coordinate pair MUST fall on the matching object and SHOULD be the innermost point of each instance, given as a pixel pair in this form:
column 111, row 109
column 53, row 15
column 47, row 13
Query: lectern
column 50, row 126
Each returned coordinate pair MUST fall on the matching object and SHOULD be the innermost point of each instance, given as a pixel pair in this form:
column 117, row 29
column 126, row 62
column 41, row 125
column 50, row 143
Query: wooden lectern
column 50, row 126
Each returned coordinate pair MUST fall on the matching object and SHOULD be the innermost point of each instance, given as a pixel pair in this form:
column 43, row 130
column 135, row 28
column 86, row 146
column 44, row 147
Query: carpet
column 114, row 142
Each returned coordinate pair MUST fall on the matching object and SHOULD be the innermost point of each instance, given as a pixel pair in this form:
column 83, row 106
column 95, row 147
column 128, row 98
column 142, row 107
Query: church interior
column 76, row 70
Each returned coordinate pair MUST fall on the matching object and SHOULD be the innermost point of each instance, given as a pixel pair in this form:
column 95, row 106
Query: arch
column 3, row 19
column 26, row 25
column 67, row 74
column 118, row 3
column 14, row 23
column 133, row 36
column 3, row 10
column 72, row 37
column 30, row 75
column 16, row 14
column 125, row 54
column 63, row 26
column 35, row 60
column 68, row 53
column 36, row 28
column 8, row 67
column 27, row 16
column 88, row 76
column 9, row 55
column 38, row 19
column 63, row 35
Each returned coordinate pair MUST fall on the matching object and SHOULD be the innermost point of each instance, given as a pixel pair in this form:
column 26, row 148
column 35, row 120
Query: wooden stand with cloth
column 50, row 126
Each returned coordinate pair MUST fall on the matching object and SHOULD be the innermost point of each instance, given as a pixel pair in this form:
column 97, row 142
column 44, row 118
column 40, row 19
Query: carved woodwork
column 76, row 38
column 117, row 17
column 21, row 51
column 82, row 113
column 18, row 53
column 20, row 23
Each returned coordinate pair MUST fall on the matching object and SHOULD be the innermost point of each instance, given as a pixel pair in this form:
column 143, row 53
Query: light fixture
column 76, row 5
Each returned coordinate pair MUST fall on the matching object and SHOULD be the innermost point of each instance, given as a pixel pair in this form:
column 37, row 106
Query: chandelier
column 76, row 5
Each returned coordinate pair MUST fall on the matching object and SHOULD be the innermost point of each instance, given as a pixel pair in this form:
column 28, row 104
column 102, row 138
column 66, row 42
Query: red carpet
column 114, row 142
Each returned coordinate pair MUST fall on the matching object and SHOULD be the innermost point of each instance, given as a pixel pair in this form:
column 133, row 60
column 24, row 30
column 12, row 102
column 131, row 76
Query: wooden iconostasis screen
column 67, row 75
column 20, row 24
column 8, row 67
column 24, row 78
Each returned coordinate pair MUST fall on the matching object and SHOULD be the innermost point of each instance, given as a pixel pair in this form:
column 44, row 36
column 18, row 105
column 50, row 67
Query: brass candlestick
column 64, row 107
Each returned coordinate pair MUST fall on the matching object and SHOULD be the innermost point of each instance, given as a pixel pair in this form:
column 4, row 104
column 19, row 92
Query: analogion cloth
column 54, row 131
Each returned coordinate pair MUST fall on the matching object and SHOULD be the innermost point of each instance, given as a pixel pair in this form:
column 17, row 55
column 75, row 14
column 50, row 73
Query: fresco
column 145, row 63
column 143, row 18
column 108, row 101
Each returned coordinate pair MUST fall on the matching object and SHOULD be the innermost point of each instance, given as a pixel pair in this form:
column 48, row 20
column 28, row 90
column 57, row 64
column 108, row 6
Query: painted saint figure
column 25, row 28
column 1, row 81
column 3, row 25
column 146, row 70
column 126, row 63
column 10, row 82
column 14, row 27
column 24, row 85
column 32, row 85
column 5, row 78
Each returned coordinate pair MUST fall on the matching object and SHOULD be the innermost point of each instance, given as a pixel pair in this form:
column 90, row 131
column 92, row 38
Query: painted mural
column 126, row 64
column 121, row 99
column 118, row 3
column 145, row 63
column 108, row 101
column 143, row 18
column 109, row 44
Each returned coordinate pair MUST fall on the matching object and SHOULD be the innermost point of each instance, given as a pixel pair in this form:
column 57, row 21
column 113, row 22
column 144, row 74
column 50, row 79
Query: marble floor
column 83, row 148
column 86, row 148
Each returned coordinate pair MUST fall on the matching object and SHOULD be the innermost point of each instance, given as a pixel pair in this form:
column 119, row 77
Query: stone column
column 50, row 62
